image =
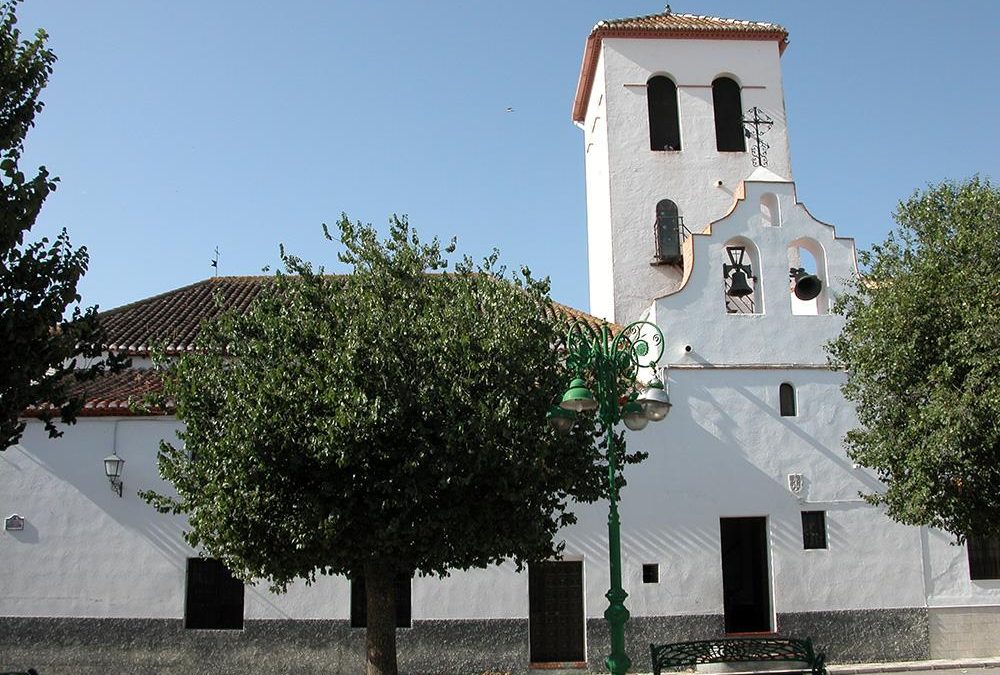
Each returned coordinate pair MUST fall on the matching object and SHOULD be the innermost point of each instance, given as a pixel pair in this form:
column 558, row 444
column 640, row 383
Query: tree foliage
column 921, row 348
column 389, row 421
column 38, row 280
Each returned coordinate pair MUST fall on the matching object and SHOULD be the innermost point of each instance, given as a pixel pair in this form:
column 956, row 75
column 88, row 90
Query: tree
column 922, row 353
column 386, row 422
column 41, row 346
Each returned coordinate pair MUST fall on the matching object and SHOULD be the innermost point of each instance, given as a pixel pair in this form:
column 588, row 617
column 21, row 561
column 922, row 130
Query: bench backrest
column 727, row 650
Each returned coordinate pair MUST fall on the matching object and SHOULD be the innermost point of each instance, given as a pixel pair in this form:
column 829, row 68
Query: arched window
column 728, row 115
column 664, row 123
column 786, row 400
column 769, row 214
column 667, row 232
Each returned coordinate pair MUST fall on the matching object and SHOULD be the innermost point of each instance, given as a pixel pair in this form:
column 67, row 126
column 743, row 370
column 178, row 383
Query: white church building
column 745, row 518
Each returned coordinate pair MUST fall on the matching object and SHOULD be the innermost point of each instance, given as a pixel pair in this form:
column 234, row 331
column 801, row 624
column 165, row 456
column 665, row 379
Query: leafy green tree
column 41, row 346
column 921, row 348
column 382, row 423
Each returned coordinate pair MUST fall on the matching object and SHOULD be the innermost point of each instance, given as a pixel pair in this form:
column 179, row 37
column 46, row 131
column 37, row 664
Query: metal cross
column 761, row 123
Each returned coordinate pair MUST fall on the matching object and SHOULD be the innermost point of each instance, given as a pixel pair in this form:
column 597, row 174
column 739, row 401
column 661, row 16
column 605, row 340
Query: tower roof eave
column 666, row 26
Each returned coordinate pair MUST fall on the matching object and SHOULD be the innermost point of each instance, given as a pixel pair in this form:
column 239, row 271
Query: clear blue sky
column 180, row 126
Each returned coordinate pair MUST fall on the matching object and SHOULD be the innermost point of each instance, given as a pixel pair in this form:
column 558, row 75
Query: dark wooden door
column 745, row 587
column 555, row 611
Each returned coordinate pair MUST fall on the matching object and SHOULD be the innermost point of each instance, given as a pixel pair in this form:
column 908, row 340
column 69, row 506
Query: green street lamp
column 614, row 362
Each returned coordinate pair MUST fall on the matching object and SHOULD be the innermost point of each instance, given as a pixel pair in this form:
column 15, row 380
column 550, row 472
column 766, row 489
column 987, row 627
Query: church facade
column 745, row 518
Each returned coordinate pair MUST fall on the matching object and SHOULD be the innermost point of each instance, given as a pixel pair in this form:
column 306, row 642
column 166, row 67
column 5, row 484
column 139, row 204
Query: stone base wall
column 55, row 646
column 962, row 632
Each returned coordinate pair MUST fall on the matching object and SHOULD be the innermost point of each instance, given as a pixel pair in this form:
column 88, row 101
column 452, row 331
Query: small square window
column 359, row 602
column 214, row 599
column 651, row 573
column 813, row 529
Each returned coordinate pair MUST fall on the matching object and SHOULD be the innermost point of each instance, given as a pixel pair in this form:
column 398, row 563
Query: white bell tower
column 676, row 110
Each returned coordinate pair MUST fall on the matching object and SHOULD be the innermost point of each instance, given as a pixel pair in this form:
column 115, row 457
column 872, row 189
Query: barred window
column 813, row 529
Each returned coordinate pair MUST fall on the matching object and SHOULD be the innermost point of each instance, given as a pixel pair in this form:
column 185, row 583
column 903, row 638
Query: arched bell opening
column 807, row 278
column 770, row 216
column 741, row 284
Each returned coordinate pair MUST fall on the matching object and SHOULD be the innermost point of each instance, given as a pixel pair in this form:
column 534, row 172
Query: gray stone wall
column 163, row 647
column 497, row 646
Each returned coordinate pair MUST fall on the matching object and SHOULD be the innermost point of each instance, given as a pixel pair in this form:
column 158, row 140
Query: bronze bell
column 807, row 286
column 738, row 286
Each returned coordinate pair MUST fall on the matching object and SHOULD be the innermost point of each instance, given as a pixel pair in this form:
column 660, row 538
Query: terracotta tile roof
column 111, row 394
column 667, row 25
column 174, row 319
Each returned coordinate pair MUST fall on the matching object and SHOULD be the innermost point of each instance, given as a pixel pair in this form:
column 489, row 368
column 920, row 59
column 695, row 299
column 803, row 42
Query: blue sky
column 180, row 126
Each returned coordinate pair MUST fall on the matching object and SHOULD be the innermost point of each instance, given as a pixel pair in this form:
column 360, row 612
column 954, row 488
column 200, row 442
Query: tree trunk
column 380, row 637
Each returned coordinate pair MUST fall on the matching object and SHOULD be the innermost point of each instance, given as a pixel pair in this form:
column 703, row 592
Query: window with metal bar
column 813, row 529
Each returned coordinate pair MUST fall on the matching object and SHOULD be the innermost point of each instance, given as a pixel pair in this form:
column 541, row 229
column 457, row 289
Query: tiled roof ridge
column 738, row 23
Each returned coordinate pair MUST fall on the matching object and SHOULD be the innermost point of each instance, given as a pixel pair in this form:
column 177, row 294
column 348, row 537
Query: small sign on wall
column 13, row 523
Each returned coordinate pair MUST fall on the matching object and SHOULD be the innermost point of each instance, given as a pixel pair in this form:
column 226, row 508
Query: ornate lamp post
column 613, row 362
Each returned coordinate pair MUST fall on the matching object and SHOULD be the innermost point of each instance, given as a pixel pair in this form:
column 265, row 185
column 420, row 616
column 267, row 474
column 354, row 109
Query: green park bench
column 738, row 650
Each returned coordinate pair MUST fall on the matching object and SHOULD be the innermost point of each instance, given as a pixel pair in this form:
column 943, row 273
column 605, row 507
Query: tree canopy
column 921, row 348
column 384, row 422
column 43, row 349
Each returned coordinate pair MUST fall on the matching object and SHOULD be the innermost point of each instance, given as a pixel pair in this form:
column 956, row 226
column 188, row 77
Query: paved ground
column 975, row 666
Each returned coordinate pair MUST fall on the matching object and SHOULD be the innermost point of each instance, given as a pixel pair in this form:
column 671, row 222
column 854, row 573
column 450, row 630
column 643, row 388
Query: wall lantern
column 113, row 465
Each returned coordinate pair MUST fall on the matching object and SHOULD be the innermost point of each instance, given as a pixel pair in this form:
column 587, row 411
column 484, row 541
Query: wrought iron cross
column 761, row 123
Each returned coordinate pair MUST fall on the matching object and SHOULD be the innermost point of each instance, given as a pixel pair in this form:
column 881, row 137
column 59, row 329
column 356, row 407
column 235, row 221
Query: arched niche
column 770, row 214
column 740, row 266
column 808, row 255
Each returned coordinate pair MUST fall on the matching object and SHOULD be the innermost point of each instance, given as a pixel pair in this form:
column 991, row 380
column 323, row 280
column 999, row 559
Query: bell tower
column 676, row 110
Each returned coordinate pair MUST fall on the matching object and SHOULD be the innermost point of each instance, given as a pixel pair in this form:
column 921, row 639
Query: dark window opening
column 359, row 602
column 984, row 556
column 651, row 573
column 214, row 599
column 728, row 115
column 664, row 121
column 813, row 529
column 786, row 400
column 668, row 233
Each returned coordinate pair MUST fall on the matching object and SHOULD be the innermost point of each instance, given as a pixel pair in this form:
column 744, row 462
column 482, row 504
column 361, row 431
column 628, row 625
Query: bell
column 807, row 286
column 738, row 287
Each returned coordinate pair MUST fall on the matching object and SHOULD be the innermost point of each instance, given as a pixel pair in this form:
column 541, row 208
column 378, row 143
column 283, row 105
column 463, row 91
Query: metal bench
column 738, row 650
